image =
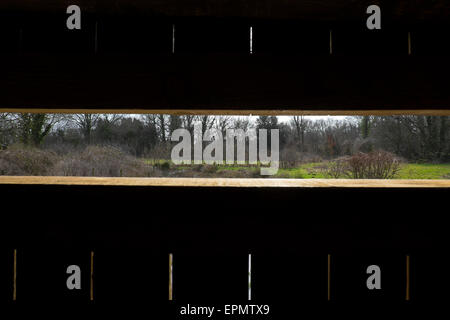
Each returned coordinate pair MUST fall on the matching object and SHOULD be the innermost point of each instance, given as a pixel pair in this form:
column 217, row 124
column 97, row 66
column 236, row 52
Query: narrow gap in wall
column 225, row 146
column 173, row 38
column 251, row 40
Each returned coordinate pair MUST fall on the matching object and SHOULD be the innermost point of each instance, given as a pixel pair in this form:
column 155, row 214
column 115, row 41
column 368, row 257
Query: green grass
column 407, row 171
column 424, row 171
column 312, row 170
column 304, row 171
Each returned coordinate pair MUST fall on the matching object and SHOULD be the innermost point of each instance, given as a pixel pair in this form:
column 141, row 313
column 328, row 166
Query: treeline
column 414, row 138
column 302, row 139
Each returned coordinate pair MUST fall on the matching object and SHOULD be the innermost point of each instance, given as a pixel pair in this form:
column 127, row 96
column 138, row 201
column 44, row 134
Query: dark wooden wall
column 210, row 231
column 44, row 65
column 318, row 10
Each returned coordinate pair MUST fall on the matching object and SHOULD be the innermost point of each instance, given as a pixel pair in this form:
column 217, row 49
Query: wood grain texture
column 223, row 182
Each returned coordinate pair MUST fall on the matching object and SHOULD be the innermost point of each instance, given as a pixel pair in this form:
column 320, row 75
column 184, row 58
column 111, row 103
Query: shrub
column 100, row 162
column 336, row 169
column 163, row 166
column 28, row 161
column 210, row 168
column 372, row 165
column 290, row 158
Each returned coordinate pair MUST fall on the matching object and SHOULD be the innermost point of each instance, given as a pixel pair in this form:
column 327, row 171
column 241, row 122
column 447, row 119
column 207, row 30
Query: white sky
column 280, row 118
column 313, row 118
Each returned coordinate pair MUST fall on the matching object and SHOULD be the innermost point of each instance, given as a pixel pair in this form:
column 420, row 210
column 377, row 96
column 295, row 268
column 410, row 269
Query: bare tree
column 444, row 139
column 300, row 125
column 161, row 122
column 86, row 123
column 105, row 126
column 223, row 123
column 112, row 118
column 175, row 122
column 188, row 123
column 365, row 127
column 241, row 123
column 6, row 129
column 34, row 127
column 207, row 122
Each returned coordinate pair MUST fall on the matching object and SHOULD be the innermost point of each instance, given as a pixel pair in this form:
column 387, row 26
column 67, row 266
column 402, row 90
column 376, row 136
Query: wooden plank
column 256, row 112
column 325, row 10
column 223, row 182
column 231, row 82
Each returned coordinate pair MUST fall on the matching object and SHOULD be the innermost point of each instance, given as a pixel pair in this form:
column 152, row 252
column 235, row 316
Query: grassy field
column 305, row 171
column 407, row 171
column 425, row 171
column 313, row 171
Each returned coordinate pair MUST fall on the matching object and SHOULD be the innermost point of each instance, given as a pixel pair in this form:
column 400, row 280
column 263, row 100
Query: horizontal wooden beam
column 325, row 10
column 225, row 82
column 256, row 112
column 223, row 182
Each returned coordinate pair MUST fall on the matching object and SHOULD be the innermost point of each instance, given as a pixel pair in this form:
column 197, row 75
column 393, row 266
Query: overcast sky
column 288, row 118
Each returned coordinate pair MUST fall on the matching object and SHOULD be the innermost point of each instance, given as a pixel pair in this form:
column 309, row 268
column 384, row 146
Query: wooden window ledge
column 224, row 182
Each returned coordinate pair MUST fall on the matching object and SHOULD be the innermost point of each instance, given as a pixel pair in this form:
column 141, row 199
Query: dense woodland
column 418, row 139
